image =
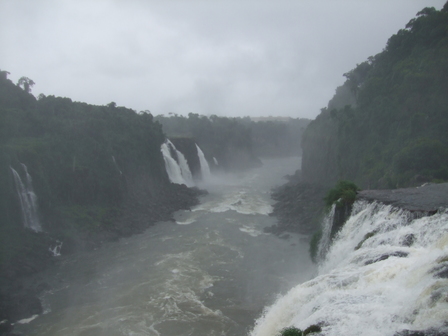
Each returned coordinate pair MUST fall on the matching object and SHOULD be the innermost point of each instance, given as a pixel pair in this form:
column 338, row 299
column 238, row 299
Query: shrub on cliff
column 291, row 331
column 386, row 126
column 314, row 245
column 344, row 193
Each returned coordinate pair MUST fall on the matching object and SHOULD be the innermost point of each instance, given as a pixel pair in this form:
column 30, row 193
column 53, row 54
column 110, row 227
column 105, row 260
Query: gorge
column 117, row 222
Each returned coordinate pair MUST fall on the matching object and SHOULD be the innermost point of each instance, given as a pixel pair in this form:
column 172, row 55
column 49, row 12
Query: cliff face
column 386, row 126
column 320, row 150
column 73, row 176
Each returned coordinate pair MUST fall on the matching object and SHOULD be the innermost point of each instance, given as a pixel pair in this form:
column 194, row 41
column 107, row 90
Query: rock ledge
column 427, row 198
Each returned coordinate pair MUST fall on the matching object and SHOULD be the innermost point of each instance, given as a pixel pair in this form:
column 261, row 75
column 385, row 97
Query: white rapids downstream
column 385, row 274
column 209, row 273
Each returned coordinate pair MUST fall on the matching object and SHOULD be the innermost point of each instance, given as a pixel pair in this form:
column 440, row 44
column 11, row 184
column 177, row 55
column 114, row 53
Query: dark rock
column 408, row 240
column 312, row 329
column 298, row 207
column 341, row 214
column 398, row 254
column 427, row 199
column 366, row 236
column 5, row 327
column 428, row 332
column 187, row 146
column 441, row 271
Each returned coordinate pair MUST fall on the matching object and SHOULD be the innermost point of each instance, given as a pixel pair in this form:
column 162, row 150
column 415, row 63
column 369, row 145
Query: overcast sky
column 224, row 57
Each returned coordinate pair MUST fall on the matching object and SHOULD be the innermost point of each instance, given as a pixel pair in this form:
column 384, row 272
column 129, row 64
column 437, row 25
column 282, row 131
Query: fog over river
column 209, row 273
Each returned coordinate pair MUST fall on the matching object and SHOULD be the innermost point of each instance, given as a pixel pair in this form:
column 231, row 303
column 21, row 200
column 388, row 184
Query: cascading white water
column 325, row 240
column 385, row 272
column 216, row 161
column 205, row 168
column 28, row 200
column 177, row 172
column 172, row 168
column 184, row 168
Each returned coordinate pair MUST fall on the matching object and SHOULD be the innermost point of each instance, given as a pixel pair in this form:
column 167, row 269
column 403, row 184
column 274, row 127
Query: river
column 209, row 273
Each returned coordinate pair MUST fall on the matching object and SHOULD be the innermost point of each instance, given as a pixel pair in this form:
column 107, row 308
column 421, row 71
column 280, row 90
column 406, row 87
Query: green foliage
column 314, row 245
column 291, row 331
column 344, row 193
column 392, row 130
column 237, row 141
column 226, row 139
column 366, row 236
column 87, row 217
column 312, row 329
column 428, row 157
column 83, row 160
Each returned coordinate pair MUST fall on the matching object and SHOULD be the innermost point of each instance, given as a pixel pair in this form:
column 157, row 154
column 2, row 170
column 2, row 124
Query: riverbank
column 299, row 206
column 23, row 279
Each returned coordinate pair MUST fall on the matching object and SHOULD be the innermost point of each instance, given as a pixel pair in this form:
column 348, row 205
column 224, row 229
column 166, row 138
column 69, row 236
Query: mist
column 229, row 58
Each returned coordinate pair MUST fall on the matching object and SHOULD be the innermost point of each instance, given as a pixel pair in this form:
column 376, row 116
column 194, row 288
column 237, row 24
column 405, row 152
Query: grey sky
column 230, row 58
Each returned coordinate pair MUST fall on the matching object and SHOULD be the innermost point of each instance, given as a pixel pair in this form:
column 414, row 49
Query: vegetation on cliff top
column 343, row 193
column 386, row 126
column 237, row 142
column 97, row 171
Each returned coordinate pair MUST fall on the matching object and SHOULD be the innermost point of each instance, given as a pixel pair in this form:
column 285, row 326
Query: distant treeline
column 238, row 142
column 387, row 125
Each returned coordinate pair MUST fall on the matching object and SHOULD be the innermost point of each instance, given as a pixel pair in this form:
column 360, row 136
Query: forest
column 237, row 143
column 386, row 126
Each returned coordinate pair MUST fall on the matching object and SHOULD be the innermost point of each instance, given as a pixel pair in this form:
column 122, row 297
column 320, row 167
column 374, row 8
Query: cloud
column 209, row 57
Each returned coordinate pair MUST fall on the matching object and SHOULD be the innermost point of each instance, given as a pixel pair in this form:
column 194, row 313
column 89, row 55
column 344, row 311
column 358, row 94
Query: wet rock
column 426, row 199
column 5, row 327
column 428, row 332
column 398, row 254
column 312, row 329
column 298, row 207
column 408, row 240
column 366, row 236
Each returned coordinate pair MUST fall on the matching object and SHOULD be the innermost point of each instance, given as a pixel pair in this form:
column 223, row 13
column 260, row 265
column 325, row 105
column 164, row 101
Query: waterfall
column 28, row 200
column 325, row 240
column 205, row 169
column 215, row 161
column 172, row 168
column 177, row 172
column 385, row 272
column 116, row 166
column 184, row 169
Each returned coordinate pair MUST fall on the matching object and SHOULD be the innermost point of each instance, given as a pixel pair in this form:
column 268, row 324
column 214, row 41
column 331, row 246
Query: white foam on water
column 251, row 231
column 27, row 320
column 380, row 288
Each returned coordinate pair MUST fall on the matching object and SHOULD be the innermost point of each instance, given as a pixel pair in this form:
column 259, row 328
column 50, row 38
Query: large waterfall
column 205, row 169
column 28, row 199
column 385, row 273
column 178, row 171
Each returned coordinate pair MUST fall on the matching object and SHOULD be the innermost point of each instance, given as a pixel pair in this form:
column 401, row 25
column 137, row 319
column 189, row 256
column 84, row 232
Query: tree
column 4, row 74
column 25, row 83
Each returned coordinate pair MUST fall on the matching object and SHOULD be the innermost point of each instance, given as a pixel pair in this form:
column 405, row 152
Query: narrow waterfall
column 116, row 166
column 385, row 273
column 205, row 168
column 215, row 161
column 28, row 200
column 324, row 243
